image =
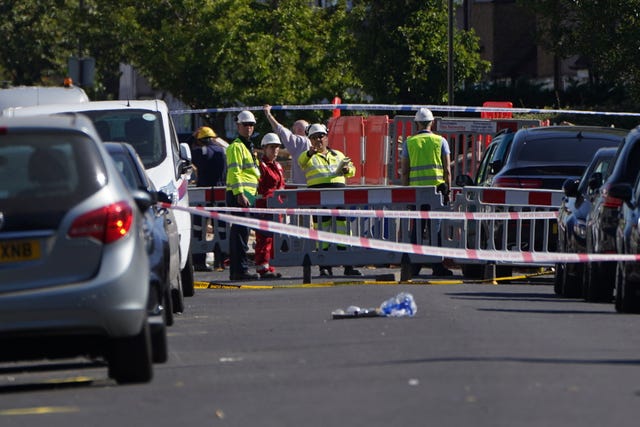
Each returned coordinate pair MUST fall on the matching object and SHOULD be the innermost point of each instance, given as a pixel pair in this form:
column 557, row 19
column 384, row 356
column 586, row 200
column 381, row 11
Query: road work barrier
column 483, row 227
column 520, row 235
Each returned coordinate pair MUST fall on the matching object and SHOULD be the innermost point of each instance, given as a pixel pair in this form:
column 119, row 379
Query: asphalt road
column 474, row 354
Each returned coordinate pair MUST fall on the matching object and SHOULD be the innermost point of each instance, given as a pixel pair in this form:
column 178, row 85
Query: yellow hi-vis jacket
column 425, row 159
column 324, row 168
column 243, row 173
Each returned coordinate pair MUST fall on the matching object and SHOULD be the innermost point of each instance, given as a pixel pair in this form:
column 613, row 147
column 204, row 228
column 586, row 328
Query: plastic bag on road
column 401, row 305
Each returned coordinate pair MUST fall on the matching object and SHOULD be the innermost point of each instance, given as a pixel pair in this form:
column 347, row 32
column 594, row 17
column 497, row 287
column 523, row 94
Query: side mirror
column 463, row 180
column 185, row 151
column 570, row 187
column 143, row 199
column 163, row 197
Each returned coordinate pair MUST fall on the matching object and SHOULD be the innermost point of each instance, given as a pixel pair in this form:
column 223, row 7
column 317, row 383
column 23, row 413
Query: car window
column 47, row 173
column 175, row 149
column 127, row 169
column 140, row 128
column 483, row 169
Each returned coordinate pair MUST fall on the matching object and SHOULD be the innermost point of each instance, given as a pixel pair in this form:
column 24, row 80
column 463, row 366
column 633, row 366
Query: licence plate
column 19, row 250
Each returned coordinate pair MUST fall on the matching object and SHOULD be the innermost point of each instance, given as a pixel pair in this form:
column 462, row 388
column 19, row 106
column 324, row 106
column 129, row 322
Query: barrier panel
column 292, row 251
column 200, row 243
column 376, row 158
column 346, row 134
column 521, row 235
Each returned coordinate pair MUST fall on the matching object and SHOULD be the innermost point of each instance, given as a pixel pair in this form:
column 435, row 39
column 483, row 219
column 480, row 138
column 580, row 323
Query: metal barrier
column 292, row 251
column 539, row 235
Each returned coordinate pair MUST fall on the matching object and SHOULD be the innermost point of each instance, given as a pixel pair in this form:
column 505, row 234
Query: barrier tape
column 483, row 254
column 406, row 107
column 380, row 213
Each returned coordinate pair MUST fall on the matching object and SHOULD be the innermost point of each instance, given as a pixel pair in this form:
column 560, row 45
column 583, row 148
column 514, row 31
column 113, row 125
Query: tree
column 401, row 50
column 604, row 32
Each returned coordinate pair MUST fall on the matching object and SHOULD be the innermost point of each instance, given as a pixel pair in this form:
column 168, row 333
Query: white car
column 148, row 127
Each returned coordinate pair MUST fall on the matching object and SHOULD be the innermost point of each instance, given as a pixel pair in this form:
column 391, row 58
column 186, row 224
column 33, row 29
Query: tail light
column 608, row 201
column 517, row 182
column 106, row 224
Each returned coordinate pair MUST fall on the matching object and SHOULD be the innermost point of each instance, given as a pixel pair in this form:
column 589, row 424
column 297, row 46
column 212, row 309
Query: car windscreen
column 124, row 163
column 43, row 175
column 140, row 128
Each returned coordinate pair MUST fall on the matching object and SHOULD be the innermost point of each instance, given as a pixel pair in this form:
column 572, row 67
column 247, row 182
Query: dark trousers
column 238, row 242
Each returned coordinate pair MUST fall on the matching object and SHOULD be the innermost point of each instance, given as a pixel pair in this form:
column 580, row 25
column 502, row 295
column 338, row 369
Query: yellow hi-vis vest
column 323, row 168
column 425, row 159
column 243, row 173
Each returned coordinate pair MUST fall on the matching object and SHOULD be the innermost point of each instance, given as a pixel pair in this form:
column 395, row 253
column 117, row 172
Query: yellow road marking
column 39, row 410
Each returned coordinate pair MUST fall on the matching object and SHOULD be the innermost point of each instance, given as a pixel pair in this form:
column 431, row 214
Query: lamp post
column 450, row 57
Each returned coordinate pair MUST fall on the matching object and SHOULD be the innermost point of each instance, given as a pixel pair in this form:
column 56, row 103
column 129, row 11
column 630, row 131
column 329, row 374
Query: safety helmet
column 205, row 132
column 316, row 128
column 269, row 139
column 246, row 117
column 423, row 115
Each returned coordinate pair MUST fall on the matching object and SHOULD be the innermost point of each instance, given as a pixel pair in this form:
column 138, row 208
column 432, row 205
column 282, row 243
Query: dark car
column 161, row 230
column 602, row 220
column 627, row 278
column 572, row 216
column 545, row 157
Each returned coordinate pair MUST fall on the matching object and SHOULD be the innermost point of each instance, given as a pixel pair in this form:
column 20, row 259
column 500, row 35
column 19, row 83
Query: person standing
column 327, row 168
column 425, row 160
column 271, row 179
column 210, row 162
column 243, row 175
column 295, row 141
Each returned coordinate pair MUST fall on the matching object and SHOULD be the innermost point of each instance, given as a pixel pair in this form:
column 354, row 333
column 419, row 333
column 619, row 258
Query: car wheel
column 628, row 300
column 188, row 287
column 129, row 358
column 570, row 284
column 159, row 346
column 598, row 285
column 618, row 287
column 167, row 302
column 558, row 279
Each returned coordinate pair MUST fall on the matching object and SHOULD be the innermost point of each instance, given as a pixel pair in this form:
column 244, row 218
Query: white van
column 147, row 125
column 26, row 96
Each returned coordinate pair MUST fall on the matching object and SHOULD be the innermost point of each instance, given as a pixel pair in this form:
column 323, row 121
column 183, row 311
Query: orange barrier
column 376, row 149
column 346, row 134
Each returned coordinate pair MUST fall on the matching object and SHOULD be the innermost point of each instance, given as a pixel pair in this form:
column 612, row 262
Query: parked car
column 602, row 220
column 162, row 234
column 148, row 127
column 545, row 157
column 572, row 215
column 74, row 267
column 627, row 278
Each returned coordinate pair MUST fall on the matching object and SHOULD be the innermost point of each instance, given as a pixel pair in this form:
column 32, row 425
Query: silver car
column 74, row 270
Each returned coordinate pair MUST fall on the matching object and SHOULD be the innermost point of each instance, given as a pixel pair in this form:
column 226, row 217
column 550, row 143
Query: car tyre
column 159, row 345
column 188, row 286
column 598, row 286
column 627, row 298
column 130, row 358
column 167, row 302
column 558, row 279
column 571, row 283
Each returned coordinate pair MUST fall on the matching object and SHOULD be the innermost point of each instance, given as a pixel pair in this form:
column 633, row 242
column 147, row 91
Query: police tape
column 405, row 248
column 406, row 108
column 382, row 213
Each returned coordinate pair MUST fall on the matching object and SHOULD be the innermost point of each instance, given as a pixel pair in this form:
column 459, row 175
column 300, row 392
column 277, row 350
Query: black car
column 572, row 215
column 161, row 231
column 627, row 279
column 602, row 220
column 545, row 157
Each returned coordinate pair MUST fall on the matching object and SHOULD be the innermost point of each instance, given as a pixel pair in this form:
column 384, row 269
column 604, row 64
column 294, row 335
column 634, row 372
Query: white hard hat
column 423, row 115
column 316, row 128
column 246, row 117
column 270, row 138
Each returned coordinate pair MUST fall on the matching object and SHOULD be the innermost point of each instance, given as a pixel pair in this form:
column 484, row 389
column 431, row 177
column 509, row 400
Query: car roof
column 76, row 122
column 547, row 131
column 151, row 105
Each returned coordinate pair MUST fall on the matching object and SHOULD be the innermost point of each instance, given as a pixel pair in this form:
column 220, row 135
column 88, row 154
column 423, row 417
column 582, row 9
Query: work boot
column 326, row 271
